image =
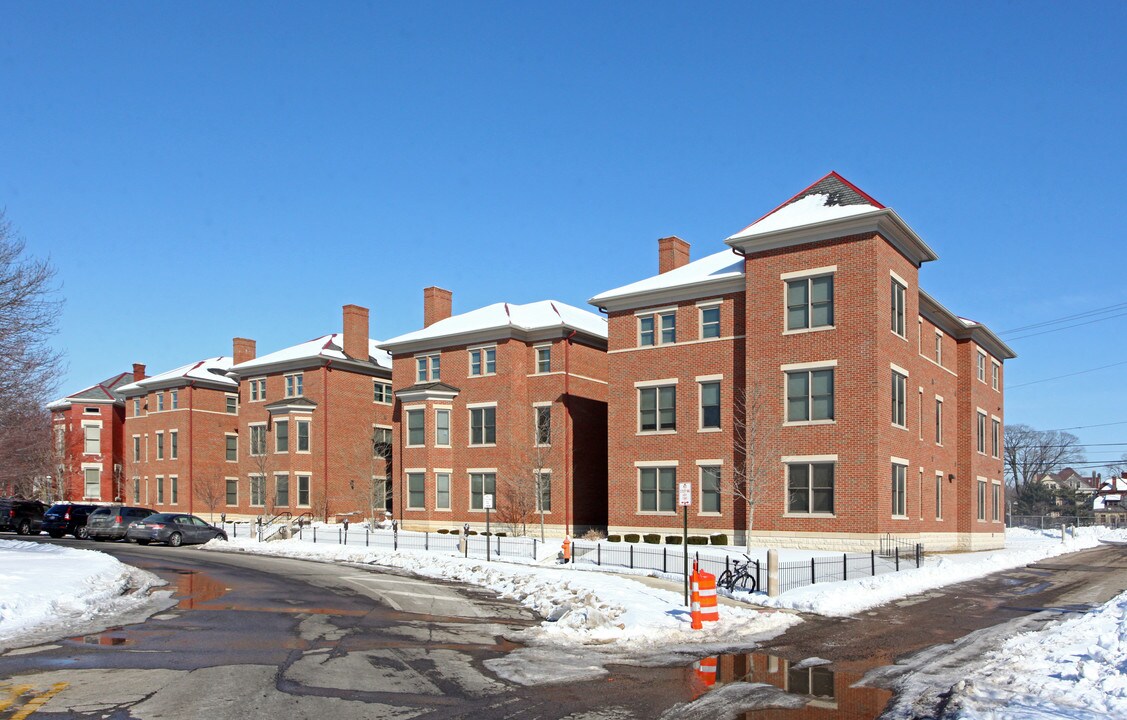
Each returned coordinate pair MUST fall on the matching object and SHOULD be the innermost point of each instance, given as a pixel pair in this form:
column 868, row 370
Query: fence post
column 631, row 556
column 773, row 573
column 365, row 537
column 897, row 553
column 845, row 566
column 598, row 553
column 919, row 554
column 533, row 548
column 664, row 555
column 426, row 540
column 728, row 566
column 498, row 544
column 813, row 576
column 758, row 581
column 873, row 561
column 314, row 534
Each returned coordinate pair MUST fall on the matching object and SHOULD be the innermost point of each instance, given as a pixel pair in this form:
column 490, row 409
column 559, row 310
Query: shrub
column 652, row 538
column 632, row 537
column 501, row 534
column 614, row 538
column 443, row 531
column 698, row 540
column 593, row 536
column 672, row 539
column 719, row 539
column 473, row 532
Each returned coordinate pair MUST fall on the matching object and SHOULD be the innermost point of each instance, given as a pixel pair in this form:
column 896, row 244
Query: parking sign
column 684, row 494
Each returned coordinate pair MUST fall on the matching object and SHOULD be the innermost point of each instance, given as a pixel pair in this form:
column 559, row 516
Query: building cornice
column 672, row 295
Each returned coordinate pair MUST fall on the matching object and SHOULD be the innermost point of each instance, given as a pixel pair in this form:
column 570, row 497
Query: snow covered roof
column 212, row 370
column 831, row 198
column 326, row 347
column 109, row 390
column 504, row 320
column 714, row 269
column 1110, row 491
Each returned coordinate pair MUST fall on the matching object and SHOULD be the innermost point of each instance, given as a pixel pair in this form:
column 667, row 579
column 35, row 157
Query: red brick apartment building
column 509, row 401
column 175, row 425
column 314, row 430
column 87, row 429
column 807, row 359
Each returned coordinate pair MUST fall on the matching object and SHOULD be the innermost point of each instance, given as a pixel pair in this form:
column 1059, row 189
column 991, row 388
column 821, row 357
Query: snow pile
column 806, row 211
column 1074, row 669
column 852, row 596
column 49, row 590
column 578, row 607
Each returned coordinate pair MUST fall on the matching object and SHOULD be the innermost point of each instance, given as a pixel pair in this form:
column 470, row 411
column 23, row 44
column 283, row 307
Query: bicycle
column 739, row 576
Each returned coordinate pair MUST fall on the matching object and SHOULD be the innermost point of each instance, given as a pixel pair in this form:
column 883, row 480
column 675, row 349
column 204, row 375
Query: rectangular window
column 810, row 488
column 136, row 490
column 232, row 404
column 442, row 491
column 257, row 439
column 938, row 421
column 483, row 426
column 281, row 436
column 938, row 349
column 92, row 483
column 303, row 436
column 710, row 489
column 810, row 395
column 544, row 490
column 938, row 496
column 543, row 359
column 160, row 446
column 173, row 444
column 160, row 401
column 232, row 492
column 442, row 428
column 92, row 439
column 898, row 308
column 416, row 428
column 257, row 491
column 995, row 373
column 232, row 448
column 543, row 424
column 160, row 490
column 482, row 484
column 657, row 408
column 995, row 501
column 174, row 485
column 981, row 434
column 136, row 407
column 981, row 499
column 294, row 385
column 899, row 490
column 381, row 442
column 709, row 405
column 657, row 487
column 483, row 361
column 428, row 368
column 416, row 491
column 282, row 490
column 657, row 329
column 136, row 448
column 810, row 302
column 303, row 490
column 980, row 367
column 710, row 322
column 258, row 389
column 899, row 400
column 995, row 437
column 174, row 401
column 382, row 392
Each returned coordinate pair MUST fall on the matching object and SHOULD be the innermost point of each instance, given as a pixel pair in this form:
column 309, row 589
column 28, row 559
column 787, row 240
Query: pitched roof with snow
column 716, row 273
column 1110, row 491
column 326, row 347
column 831, row 198
column 109, row 390
column 212, row 370
column 545, row 318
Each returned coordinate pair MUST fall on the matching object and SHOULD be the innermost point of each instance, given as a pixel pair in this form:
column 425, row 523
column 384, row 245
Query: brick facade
column 87, row 430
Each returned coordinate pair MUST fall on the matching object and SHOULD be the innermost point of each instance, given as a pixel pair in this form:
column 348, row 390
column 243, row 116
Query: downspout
column 191, row 444
column 325, row 433
column 567, row 433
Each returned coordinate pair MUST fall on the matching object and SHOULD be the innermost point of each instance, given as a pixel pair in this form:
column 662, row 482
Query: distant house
column 87, row 427
column 1108, row 504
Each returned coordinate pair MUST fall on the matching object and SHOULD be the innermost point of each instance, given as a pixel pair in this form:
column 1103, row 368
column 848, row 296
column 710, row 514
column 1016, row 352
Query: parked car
column 20, row 516
column 174, row 529
column 110, row 522
column 67, row 519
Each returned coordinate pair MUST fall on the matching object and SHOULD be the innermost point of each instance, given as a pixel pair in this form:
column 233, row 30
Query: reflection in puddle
column 105, row 639
column 828, row 694
column 196, row 588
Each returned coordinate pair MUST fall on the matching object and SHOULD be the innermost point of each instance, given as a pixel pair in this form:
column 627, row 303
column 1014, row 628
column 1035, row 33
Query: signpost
column 685, row 499
column 487, row 503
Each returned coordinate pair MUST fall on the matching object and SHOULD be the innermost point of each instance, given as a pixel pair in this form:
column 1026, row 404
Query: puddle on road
column 827, row 693
column 195, row 588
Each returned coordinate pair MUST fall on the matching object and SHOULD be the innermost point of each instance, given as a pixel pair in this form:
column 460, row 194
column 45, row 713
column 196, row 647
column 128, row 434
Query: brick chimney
column 139, row 372
column 437, row 305
column 242, row 350
column 672, row 253
column 355, row 332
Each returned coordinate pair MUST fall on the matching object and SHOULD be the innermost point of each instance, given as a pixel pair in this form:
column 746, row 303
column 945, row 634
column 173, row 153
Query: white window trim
column 898, row 279
column 449, row 473
column 800, row 275
column 449, row 410
column 806, row 367
column 407, row 473
column 470, row 407
column 407, row 426
column 536, row 358
column 389, row 393
column 259, row 382
column 899, row 369
column 225, row 481
column 250, row 440
column 901, row 462
column 469, row 360
column 469, row 487
column 701, row 464
column 236, row 436
column 296, row 447
column 708, row 305
column 816, row 365
column 939, row 476
column 655, row 383
column 655, row 464
column 811, row 272
column 297, row 478
column 642, row 385
column 536, row 424
column 806, row 460
column 656, row 311
column 701, row 380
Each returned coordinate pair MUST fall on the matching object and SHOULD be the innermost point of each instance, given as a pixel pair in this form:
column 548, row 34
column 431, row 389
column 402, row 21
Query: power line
column 1066, row 327
column 1088, row 313
column 1085, row 427
column 1058, row 377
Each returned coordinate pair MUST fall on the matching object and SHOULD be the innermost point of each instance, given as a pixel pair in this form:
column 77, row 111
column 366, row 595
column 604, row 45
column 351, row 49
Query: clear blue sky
column 199, row 171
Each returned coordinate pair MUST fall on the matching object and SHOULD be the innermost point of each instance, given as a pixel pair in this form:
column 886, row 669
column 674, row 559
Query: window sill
column 901, row 517
column 482, row 445
column 803, row 423
column 709, row 514
column 803, row 331
column 668, row 513
column 414, row 446
column 817, row 516
column 657, row 432
column 471, row 376
column 438, row 509
column 900, row 427
column 902, row 337
column 710, row 430
column 381, row 402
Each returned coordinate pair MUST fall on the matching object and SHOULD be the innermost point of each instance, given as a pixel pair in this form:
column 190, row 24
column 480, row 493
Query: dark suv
column 111, row 522
column 21, row 516
column 67, row 519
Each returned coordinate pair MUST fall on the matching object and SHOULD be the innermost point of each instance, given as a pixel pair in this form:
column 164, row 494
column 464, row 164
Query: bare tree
column 1030, row 453
column 526, row 485
column 211, row 492
column 379, row 489
column 26, row 452
column 262, row 462
column 755, row 440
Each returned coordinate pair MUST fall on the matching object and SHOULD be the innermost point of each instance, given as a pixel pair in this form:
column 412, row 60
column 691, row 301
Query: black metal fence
column 1049, row 522
column 666, row 559
column 801, row 573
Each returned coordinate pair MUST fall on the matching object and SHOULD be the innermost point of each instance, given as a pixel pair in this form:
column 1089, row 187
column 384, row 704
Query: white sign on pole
column 487, row 502
column 684, row 494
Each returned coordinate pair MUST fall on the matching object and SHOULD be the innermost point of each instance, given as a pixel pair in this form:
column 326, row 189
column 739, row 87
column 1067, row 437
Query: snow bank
column 50, row 591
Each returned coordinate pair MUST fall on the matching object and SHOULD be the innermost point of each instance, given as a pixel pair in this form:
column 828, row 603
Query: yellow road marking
column 39, row 700
column 14, row 691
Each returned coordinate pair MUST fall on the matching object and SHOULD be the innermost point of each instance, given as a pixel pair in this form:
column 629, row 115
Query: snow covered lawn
column 47, row 591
